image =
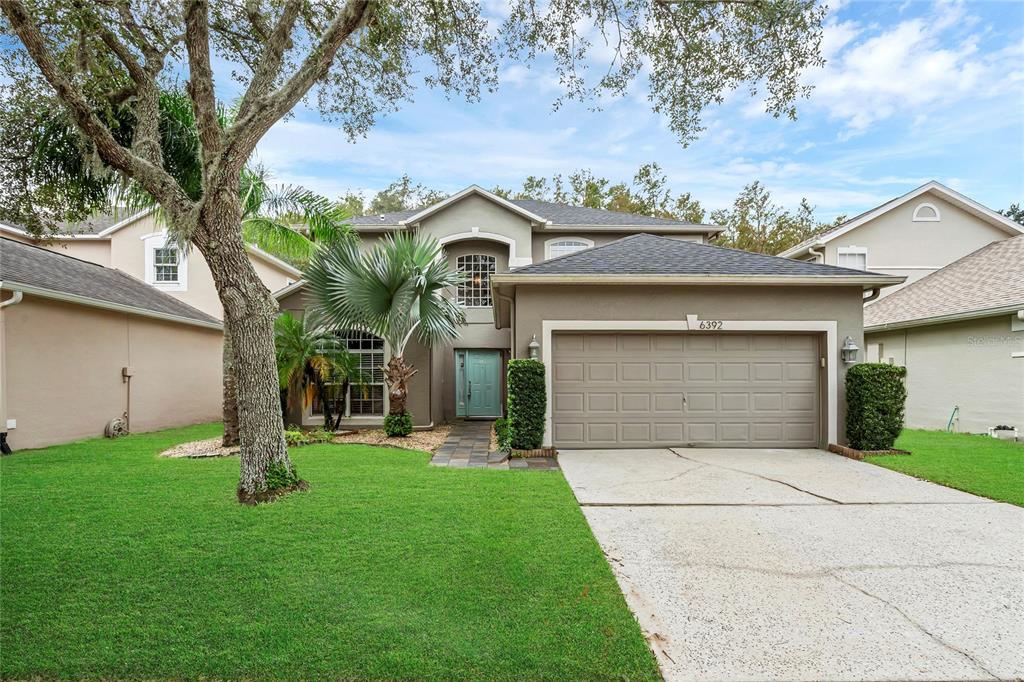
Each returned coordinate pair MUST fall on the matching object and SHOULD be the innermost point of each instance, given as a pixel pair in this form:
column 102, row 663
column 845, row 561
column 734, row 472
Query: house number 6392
column 711, row 324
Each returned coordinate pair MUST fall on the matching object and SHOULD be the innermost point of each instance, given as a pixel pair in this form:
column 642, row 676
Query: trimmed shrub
column 875, row 399
column 398, row 425
column 501, row 433
column 527, row 402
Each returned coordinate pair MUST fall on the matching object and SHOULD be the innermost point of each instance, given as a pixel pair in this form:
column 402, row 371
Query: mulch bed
column 428, row 440
column 211, row 447
column 854, row 453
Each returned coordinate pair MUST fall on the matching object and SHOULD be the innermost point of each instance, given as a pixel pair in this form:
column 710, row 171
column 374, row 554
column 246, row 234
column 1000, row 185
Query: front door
column 478, row 383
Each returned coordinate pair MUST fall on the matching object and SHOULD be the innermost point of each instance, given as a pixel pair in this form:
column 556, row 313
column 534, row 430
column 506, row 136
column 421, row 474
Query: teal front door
column 478, row 383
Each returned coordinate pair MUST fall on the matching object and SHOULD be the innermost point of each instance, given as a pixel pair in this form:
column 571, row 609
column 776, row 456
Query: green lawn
column 117, row 564
column 978, row 464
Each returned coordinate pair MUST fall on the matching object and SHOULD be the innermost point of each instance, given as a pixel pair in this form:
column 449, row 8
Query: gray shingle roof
column 37, row 267
column 988, row 279
column 558, row 214
column 647, row 254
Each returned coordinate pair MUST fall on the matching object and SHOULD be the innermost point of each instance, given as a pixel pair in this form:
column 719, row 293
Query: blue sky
column 911, row 92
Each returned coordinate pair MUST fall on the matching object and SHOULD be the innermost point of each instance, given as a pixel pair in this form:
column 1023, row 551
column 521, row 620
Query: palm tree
column 396, row 291
column 309, row 359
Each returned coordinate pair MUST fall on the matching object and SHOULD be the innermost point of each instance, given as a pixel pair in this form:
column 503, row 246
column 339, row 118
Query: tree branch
column 151, row 177
column 249, row 129
column 278, row 41
column 200, row 84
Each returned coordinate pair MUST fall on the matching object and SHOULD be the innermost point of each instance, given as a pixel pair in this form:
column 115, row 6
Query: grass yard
column 118, row 564
column 976, row 464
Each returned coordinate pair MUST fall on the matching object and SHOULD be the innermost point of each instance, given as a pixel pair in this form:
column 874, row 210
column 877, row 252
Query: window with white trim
column 367, row 399
column 926, row 213
column 563, row 247
column 165, row 264
column 475, row 290
column 853, row 257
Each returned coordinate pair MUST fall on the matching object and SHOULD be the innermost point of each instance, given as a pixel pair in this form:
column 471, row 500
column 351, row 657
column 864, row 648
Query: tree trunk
column 230, row 405
column 249, row 314
column 398, row 374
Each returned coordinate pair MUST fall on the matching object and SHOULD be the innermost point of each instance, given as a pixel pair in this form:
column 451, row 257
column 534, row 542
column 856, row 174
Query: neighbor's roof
column 645, row 256
column 547, row 213
column 94, row 227
column 986, row 282
column 952, row 196
column 37, row 271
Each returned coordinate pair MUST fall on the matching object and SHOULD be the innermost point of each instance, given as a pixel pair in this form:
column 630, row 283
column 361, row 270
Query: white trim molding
column 692, row 324
column 918, row 218
column 587, row 244
column 514, row 261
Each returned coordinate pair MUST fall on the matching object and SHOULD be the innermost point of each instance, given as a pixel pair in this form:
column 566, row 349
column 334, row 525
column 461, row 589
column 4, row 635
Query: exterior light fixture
column 534, row 348
column 849, row 351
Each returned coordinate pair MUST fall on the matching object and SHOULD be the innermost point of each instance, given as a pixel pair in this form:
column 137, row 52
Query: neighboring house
column 650, row 335
column 912, row 236
column 81, row 344
column 137, row 245
column 960, row 334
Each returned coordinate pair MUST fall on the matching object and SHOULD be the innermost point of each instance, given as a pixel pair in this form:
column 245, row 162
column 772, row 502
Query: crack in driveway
column 764, row 478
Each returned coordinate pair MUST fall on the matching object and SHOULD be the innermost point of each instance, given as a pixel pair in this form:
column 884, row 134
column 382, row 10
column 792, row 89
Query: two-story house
column 650, row 335
column 106, row 322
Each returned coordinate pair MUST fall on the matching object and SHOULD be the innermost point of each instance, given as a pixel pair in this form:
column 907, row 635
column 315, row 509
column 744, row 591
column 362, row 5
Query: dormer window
column 564, row 246
column 475, row 291
column 926, row 213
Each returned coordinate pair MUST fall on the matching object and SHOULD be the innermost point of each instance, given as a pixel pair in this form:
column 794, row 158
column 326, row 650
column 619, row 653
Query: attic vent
column 926, row 213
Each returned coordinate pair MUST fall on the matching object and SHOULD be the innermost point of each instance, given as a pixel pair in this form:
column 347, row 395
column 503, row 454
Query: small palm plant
column 309, row 360
column 397, row 290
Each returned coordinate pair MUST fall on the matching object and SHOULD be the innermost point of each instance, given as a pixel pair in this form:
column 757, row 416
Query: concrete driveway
column 803, row 565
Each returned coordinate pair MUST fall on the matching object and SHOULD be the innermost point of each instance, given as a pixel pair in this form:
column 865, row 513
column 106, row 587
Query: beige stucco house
column 82, row 344
column 911, row 236
column 650, row 335
column 960, row 333
column 136, row 244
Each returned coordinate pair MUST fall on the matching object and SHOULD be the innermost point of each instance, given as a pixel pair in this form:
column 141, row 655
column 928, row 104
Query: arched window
column 564, row 246
column 475, row 291
column 927, row 213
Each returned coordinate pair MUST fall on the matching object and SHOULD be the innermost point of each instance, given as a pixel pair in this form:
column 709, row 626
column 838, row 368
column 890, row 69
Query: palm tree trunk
column 398, row 374
column 321, row 389
column 230, row 404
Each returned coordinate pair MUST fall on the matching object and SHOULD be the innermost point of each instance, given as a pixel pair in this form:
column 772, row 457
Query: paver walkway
column 469, row 446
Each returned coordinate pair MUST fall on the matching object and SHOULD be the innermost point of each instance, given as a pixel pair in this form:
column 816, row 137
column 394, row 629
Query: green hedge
column 398, row 425
column 527, row 402
column 875, row 399
column 501, row 433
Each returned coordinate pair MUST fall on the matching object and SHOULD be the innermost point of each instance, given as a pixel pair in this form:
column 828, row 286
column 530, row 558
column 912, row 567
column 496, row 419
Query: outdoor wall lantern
column 849, row 351
column 534, row 348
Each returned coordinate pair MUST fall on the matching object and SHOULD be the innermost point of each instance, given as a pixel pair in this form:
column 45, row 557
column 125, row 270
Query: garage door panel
column 642, row 390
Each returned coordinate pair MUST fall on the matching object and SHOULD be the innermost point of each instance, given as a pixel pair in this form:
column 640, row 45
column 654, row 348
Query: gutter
column 18, row 288
column 869, row 281
column 952, row 317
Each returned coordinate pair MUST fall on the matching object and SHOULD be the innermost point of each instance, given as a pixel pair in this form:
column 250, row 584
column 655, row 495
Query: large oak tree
column 352, row 60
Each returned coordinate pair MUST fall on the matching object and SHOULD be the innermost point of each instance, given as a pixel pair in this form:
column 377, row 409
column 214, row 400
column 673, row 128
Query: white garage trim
column 693, row 323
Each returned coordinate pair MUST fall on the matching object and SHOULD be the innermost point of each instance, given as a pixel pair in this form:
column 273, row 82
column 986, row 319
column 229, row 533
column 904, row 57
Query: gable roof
column 644, row 258
column 40, row 272
column 952, row 196
column 987, row 282
column 546, row 214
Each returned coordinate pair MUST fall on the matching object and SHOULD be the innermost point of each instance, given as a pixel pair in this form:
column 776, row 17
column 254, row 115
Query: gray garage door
column 642, row 390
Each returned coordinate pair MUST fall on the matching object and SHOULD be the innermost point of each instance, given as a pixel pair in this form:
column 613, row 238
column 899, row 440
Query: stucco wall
column 484, row 215
column 965, row 364
column 536, row 303
column 897, row 245
column 62, row 378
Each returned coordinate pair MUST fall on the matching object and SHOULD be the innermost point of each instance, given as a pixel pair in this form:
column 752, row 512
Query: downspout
column 15, row 299
column 819, row 257
column 875, row 292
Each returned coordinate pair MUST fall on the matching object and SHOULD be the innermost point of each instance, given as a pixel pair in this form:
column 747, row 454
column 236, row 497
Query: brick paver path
column 469, row 446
